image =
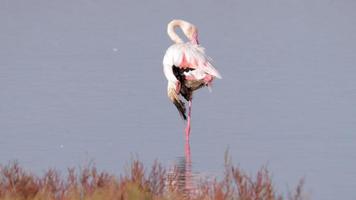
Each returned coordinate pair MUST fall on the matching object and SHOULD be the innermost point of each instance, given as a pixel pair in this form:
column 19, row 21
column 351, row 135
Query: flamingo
column 186, row 67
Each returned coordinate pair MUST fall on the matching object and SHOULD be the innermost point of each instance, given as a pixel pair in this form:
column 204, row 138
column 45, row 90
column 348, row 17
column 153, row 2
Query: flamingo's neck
column 189, row 30
column 171, row 33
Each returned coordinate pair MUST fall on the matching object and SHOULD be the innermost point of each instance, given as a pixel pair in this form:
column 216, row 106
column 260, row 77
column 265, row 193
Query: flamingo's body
column 186, row 67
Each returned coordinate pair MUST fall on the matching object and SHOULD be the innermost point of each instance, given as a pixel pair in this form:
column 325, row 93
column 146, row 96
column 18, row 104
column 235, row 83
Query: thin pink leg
column 187, row 129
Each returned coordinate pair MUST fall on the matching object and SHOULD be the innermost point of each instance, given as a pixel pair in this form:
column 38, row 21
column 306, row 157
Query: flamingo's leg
column 187, row 129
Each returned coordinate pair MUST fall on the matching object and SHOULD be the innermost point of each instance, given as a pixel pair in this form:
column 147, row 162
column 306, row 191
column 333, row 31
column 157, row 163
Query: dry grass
column 136, row 184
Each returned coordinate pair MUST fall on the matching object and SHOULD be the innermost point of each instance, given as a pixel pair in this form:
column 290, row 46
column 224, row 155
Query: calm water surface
column 83, row 80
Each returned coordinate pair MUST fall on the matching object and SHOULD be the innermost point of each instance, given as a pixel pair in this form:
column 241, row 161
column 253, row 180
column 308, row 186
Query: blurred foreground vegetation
column 137, row 183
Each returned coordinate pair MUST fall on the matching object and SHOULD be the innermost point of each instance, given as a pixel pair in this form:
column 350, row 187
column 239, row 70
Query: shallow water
column 83, row 81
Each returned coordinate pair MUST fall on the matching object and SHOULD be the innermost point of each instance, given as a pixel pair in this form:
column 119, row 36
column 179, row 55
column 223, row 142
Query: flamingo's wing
column 173, row 96
column 172, row 56
column 189, row 56
column 196, row 58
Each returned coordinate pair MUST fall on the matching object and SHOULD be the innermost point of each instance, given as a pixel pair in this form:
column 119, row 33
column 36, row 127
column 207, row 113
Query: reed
column 138, row 183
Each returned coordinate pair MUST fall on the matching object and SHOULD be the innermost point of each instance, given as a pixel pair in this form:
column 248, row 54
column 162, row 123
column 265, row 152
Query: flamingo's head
column 192, row 33
column 195, row 38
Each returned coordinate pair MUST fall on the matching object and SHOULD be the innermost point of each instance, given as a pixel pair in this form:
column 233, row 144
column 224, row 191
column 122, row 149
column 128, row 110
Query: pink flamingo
column 186, row 67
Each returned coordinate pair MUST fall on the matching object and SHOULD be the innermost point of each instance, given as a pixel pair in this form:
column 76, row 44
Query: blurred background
column 82, row 81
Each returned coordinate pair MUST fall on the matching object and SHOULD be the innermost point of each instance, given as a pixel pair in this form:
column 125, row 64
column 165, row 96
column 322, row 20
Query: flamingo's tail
column 172, row 95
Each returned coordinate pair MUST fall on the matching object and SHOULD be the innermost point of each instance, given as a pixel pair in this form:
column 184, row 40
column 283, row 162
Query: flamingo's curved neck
column 171, row 33
column 186, row 28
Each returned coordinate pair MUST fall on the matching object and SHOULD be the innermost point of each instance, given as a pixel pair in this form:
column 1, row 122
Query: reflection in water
column 185, row 177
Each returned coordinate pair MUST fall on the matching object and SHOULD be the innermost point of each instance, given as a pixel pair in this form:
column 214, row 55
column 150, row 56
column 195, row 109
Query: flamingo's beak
column 195, row 38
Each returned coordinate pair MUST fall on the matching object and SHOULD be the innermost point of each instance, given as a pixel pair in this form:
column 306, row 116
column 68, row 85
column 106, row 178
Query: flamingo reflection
column 185, row 177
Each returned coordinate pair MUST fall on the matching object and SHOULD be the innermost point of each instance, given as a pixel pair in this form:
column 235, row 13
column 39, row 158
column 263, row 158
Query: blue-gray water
column 83, row 80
